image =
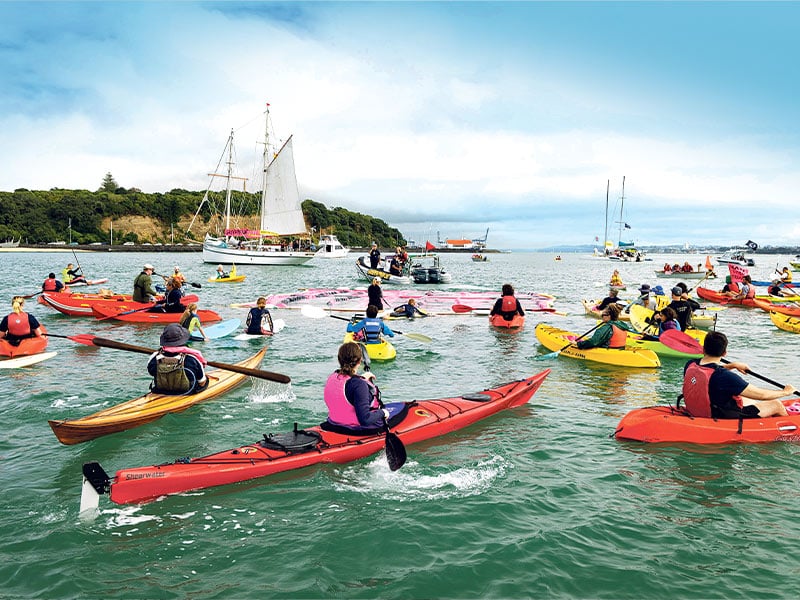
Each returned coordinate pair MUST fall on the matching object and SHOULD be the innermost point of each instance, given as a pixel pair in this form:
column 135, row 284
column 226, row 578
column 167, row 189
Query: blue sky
column 449, row 117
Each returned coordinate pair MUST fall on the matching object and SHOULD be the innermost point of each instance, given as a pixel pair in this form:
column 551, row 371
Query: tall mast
column 228, row 184
column 605, row 231
column 621, row 208
column 264, row 164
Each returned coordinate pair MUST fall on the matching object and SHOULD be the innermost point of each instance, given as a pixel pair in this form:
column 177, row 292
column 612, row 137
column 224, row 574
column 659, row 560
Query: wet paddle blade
column 681, row 342
column 82, row 338
column 461, row 308
column 313, row 312
column 547, row 356
column 420, row 337
column 395, row 451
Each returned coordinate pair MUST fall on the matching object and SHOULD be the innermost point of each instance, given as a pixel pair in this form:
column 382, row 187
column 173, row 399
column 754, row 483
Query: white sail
column 280, row 199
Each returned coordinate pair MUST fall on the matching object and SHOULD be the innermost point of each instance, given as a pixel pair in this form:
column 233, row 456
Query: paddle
column 314, row 312
column 91, row 340
column 464, row 308
column 29, row 296
column 678, row 340
column 572, row 343
column 167, row 278
column 395, row 450
column 127, row 312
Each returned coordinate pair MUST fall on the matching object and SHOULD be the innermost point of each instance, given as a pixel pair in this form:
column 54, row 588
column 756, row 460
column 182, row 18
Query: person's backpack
column 171, row 375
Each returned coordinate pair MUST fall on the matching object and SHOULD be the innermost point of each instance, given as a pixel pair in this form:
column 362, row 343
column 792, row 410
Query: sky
column 441, row 118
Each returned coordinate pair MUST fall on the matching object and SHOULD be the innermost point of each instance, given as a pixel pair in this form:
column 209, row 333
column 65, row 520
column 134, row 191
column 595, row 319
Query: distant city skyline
column 433, row 116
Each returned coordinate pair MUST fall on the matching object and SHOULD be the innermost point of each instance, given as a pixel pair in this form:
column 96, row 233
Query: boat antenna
column 605, row 231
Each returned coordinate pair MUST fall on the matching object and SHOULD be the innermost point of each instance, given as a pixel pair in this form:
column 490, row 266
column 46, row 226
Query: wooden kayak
column 556, row 339
column 785, row 322
column 27, row 346
column 144, row 316
column 667, row 424
column 80, row 305
column 382, row 350
column 423, row 420
column 499, row 321
column 147, row 408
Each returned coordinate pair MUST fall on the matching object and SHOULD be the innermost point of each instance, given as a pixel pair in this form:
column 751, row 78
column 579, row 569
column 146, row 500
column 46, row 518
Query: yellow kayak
column 785, row 322
column 640, row 314
column 555, row 339
column 590, row 306
column 382, row 350
column 231, row 278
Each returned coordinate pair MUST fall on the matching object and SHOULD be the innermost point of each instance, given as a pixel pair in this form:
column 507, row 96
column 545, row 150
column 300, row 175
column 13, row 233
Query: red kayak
column 142, row 315
column 423, row 420
column 721, row 298
column 80, row 305
column 669, row 424
column 27, row 346
column 499, row 321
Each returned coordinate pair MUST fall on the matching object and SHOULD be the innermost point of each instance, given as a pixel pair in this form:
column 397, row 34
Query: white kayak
column 88, row 282
column 25, row 361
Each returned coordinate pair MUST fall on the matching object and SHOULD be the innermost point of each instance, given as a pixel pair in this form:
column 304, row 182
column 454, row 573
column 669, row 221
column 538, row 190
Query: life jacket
column 373, row 329
column 509, row 304
column 49, row 285
column 662, row 327
column 19, row 325
column 751, row 291
column 733, row 287
column 191, row 322
column 172, row 377
column 696, row 381
column 619, row 337
column 340, row 410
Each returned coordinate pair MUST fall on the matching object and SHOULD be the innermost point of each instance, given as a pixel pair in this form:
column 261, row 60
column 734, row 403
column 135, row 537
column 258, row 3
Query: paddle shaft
column 102, row 342
column 29, row 296
column 167, row 278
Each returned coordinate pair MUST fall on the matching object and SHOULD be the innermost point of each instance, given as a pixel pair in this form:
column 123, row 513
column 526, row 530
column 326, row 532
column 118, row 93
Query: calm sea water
column 539, row 501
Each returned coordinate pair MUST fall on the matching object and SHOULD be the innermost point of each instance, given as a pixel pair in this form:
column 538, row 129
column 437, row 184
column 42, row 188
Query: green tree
column 109, row 183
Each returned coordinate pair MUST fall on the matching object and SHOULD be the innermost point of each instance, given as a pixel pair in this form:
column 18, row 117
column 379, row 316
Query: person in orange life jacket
column 352, row 399
column 372, row 326
column 175, row 368
column 178, row 277
column 374, row 256
column 731, row 396
column 51, row 284
column 18, row 325
column 612, row 298
column 375, row 294
column 507, row 304
column 611, row 334
column 409, row 310
column 786, row 275
column 70, row 275
column 259, row 321
column 682, row 308
column 666, row 319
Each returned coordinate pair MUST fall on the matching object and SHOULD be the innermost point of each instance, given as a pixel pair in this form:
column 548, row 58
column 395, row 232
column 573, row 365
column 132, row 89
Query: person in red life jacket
column 373, row 327
column 507, row 305
column 611, row 334
column 667, row 268
column 745, row 290
column 18, row 324
column 353, row 400
column 175, row 368
column 687, row 268
column 51, row 284
column 707, row 382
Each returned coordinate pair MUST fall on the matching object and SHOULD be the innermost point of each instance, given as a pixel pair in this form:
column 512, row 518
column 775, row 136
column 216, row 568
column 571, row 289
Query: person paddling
column 70, row 276
column 175, row 368
column 51, row 284
column 507, row 304
column 143, row 285
column 18, row 325
column 612, row 333
column 707, row 382
column 221, row 274
column 373, row 327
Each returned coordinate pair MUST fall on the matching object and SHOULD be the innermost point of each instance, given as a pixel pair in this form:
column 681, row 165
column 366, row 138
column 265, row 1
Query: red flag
column 429, row 246
column 737, row 272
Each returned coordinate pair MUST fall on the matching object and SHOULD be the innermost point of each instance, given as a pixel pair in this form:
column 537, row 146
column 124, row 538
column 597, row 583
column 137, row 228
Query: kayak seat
column 402, row 409
column 477, row 397
column 297, row 441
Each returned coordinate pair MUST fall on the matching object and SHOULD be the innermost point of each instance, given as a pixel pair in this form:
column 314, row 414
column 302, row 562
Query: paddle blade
column 195, row 285
column 395, row 451
column 678, row 340
column 461, row 308
column 420, row 337
column 313, row 312
column 547, row 356
column 83, row 338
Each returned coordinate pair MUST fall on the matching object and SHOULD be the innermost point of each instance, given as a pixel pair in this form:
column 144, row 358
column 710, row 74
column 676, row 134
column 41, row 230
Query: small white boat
column 425, row 268
column 735, row 256
column 330, row 247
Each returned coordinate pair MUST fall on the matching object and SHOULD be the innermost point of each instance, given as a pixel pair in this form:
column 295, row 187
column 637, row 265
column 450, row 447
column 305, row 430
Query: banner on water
column 737, row 272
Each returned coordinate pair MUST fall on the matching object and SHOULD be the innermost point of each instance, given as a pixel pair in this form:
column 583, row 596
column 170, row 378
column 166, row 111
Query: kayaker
column 172, row 299
column 409, row 310
column 612, row 298
column 259, row 321
column 786, row 275
column 69, row 275
column 682, row 308
column 693, row 304
column 143, row 285
column 190, row 320
column 507, row 304
column 221, row 274
column 746, row 290
column 706, row 381
column 644, row 299
column 666, row 319
column 51, row 284
column 178, row 276
column 372, row 326
column 612, row 332
column 175, row 368
column 353, row 399
column 375, row 294
column 616, row 279
column 374, row 256
column 18, row 325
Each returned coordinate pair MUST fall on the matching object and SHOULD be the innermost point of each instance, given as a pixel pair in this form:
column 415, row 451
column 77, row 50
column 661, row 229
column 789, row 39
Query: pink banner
column 737, row 272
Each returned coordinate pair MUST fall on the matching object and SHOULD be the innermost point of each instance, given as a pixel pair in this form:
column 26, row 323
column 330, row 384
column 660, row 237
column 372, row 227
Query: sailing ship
column 282, row 238
column 11, row 243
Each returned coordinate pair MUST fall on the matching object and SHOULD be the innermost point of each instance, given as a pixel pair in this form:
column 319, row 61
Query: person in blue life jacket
column 507, row 304
column 612, row 333
column 51, row 284
column 707, row 381
column 175, row 368
column 372, row 326
column 374, row 256
column 189, row 320
column 353, row 400
column 259, row 321
column 408, row 310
